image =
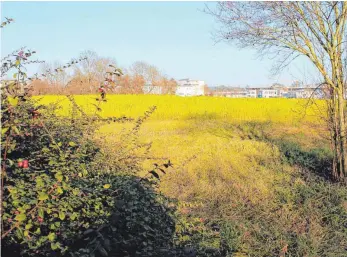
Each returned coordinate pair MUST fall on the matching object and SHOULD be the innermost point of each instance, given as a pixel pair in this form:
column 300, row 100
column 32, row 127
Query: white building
column 189, row 87
column 252, row 93
column 268, row 93
column 237, row 94
column 283, row 92
column 305, row 93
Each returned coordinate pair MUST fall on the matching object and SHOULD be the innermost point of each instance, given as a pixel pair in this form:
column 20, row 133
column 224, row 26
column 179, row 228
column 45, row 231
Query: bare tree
column 131, row 84
column 153, row 77
column 316, row 30
column 168, row 86
column 149, row 72
column 55, row 80
column 91, row 70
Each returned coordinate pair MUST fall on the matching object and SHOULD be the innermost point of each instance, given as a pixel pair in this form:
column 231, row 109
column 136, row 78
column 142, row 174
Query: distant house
column 251, row 92
column 276, row 90
column 283, row 92
column 232, row 92
column 189, row 87
column 303, row 93
column 306, row 92
column 237, row 93
column 268, row 93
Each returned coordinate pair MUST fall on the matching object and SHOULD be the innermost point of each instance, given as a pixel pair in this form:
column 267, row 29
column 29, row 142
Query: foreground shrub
column 65, row 195
column 55, row 202
column 141, row 223
column 46, row 199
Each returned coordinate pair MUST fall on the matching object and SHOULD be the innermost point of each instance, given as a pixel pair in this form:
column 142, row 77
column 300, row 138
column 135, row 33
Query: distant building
column 283, row 92
column 305, row 92
column 237, row 93
column 232, row 92
column 251, row 93
column 189, row 87
column 268, row 93
column 272, row 92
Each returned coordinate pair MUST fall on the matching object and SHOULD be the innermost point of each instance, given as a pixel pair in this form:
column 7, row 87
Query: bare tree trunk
column 337, row 127
column 342, row 134
column 332, row 125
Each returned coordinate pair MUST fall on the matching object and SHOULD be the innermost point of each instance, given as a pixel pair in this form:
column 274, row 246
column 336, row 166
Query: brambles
column 56, row 185
column 44, row 191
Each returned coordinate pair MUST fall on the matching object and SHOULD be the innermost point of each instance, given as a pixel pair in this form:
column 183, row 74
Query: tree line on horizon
column 86, row 77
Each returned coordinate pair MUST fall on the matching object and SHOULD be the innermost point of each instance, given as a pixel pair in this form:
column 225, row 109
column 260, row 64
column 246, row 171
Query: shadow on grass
column 141, row 223
column 316, row 160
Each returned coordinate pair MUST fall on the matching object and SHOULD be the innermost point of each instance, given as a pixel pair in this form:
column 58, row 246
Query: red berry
column 20, row 164
column 25, row 164
column 16, row 212
column 40, row 220
column 9, row 220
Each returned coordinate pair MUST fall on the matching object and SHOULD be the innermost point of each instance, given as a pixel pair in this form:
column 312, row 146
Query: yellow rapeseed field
column 198, row 135
column 183, row 108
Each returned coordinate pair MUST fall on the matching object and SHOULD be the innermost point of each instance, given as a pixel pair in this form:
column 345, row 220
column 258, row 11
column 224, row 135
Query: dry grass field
column 225, row 165
column 208, row 139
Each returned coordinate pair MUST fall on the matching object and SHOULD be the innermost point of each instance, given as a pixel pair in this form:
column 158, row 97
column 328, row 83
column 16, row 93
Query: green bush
column 59, row 204
column 46, row 202
column 63, row 193
column 141, row 223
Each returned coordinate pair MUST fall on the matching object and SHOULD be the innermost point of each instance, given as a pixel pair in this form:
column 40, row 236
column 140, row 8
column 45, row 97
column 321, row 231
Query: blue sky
column 174, row 36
